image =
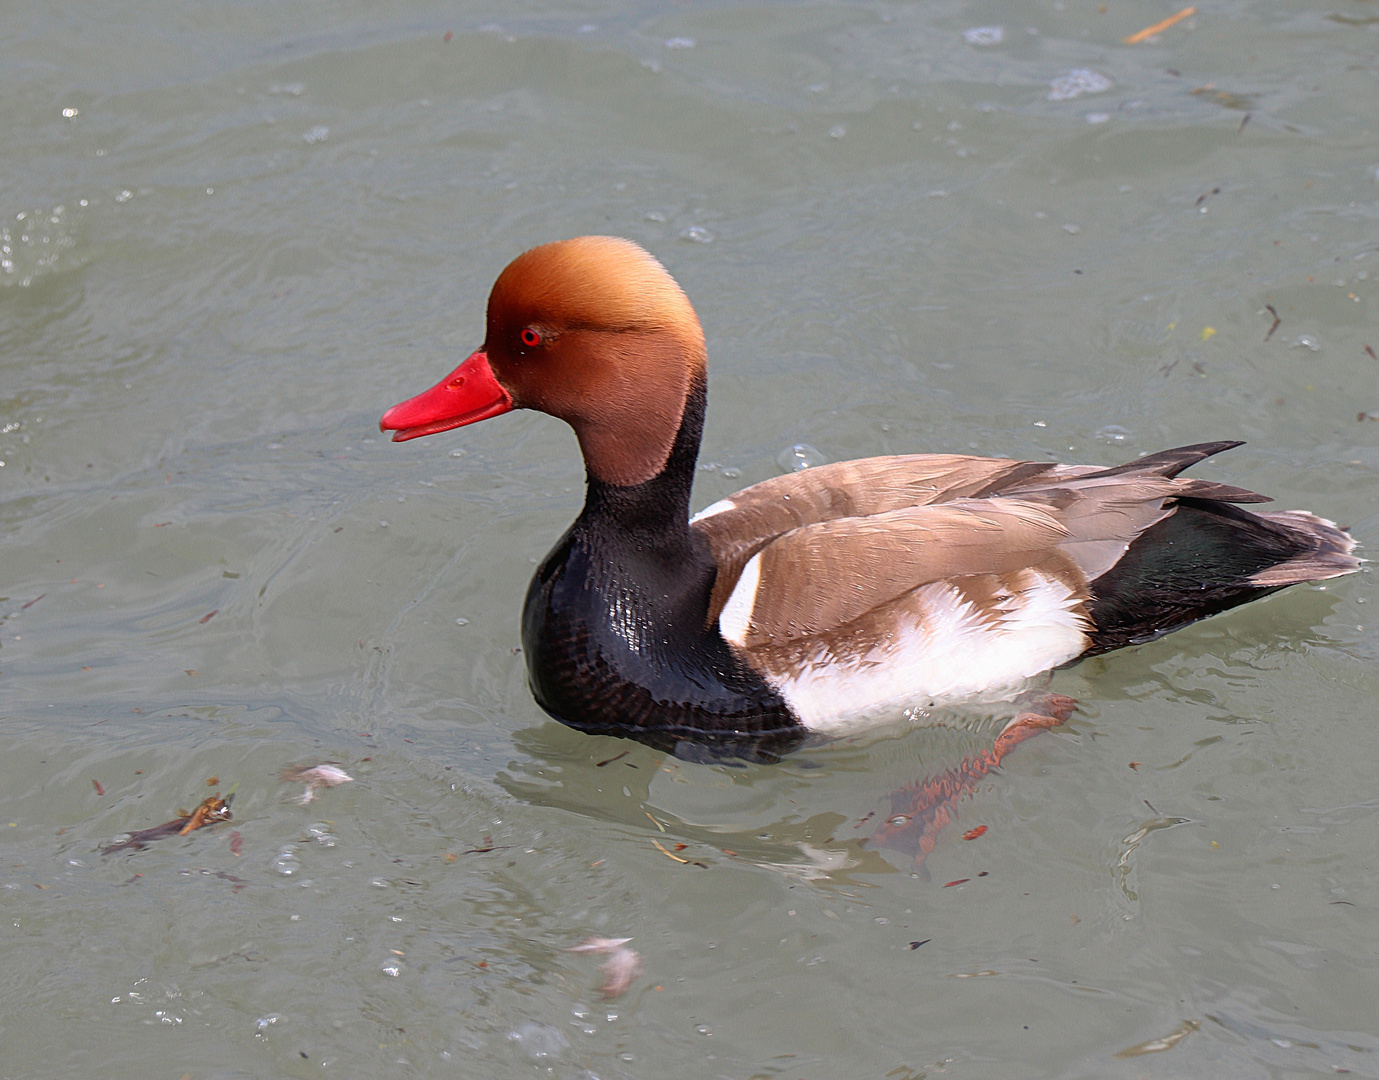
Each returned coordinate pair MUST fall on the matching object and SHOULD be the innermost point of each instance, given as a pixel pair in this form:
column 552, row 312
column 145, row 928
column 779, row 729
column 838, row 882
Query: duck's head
column 591, row 330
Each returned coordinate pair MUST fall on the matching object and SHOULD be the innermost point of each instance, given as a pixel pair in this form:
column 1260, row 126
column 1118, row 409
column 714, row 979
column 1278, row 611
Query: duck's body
column 842, row 593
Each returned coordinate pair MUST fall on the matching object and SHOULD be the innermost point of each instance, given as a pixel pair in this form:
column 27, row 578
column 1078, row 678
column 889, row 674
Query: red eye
column 530, row 338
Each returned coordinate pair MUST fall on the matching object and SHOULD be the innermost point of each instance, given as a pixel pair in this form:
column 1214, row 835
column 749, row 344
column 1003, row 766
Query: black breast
column 615, row 641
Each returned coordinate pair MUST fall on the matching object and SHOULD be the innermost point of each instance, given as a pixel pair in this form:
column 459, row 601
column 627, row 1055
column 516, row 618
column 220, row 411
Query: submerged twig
column 212, row 811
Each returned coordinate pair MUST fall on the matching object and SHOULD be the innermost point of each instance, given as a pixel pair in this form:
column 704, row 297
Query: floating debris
column 212, row 811
column 1166, row 1042
column 622, row 966
column 315, row 776
column 1270, row 309
column 1159, row 27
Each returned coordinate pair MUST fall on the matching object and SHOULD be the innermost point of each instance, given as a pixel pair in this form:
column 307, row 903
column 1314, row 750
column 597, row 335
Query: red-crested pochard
column 845, row 592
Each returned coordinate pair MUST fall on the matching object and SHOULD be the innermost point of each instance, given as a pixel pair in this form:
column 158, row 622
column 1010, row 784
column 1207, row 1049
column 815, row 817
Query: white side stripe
column 714, row 508
column 737, row 612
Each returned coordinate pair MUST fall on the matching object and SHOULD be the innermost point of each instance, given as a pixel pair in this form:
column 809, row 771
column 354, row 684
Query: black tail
column 1207, row 557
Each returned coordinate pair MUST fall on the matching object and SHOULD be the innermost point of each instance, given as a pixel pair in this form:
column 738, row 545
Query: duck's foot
column 919, row 811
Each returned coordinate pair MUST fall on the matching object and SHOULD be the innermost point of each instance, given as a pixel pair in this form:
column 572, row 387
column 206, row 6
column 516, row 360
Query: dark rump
column 1206, row 558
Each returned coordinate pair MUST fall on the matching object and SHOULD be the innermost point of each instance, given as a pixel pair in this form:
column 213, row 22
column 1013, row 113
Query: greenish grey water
column 246, row 229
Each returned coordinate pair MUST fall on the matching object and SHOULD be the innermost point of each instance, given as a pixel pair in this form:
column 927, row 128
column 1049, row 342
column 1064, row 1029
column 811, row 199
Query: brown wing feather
column 846, row 489
column 856, row 535
column 841, row 569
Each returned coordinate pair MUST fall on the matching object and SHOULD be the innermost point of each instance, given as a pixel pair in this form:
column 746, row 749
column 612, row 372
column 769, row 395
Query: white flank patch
column 714, row 508
column 950, row 656
column 736, row 616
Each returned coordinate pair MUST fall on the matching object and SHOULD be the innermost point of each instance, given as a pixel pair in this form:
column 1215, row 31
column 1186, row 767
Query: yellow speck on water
column 1172, row 326
column 1215, row 844
column 1208, row 332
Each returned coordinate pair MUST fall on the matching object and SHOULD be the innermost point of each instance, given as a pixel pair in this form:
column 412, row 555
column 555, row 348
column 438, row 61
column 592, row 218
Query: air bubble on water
column 1306, row 341
column 654, row 215
column 461, row 622
column 1098, row 117
column 1111, row 434
column 264, row 1024
column 294, row 89
column 539, row 1041
column 837, row 131
column 732, row 473
column 1071, row 229
column 680, row 43
column 984, row 35
column 379, row 883
column 698, row 234
column 1077, row 82
column 392, row 968
column 69, row 113
column 316, row 134
column 799, row 457
column 320, row 832
column 286, row 863
column 124, row 196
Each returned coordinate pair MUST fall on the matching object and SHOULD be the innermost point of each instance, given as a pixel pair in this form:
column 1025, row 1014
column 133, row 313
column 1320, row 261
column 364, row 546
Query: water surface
column 970, row 227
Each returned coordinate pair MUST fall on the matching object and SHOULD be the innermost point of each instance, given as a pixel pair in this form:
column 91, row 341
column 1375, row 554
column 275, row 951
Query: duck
column 843, row 594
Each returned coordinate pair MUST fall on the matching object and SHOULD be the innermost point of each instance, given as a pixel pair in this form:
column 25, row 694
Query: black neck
column 655, row 513
column 616, row 622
